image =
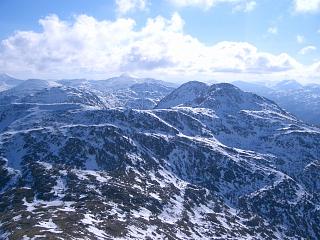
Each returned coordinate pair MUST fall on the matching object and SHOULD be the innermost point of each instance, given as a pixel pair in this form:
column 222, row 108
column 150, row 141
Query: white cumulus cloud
column 307, row 6
column 245, row 6
column 307, row 49
column 273, row 30
column 249, row 6
column 300, row 39
column 125, row 6
column 206, row 4
column 87, row 47
column 238, row 5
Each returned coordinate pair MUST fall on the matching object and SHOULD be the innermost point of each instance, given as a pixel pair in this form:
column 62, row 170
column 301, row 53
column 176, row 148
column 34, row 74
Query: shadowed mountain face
column 301, row 100
column 207, row 162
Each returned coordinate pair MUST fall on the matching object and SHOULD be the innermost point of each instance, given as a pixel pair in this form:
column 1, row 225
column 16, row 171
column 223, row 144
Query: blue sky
column 220, row 27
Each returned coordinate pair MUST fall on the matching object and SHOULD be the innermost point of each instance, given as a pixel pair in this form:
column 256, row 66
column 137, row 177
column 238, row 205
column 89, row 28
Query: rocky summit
column 207, row 162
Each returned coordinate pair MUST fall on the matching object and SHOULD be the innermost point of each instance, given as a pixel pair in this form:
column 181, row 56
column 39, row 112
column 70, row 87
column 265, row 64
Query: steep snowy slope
column 218, row 163
column 186, row 94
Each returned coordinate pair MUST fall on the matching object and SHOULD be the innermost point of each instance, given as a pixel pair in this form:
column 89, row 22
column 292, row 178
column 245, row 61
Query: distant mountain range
column 148, row 160
column 145, row 93
column 301, row 100
column 122, row 91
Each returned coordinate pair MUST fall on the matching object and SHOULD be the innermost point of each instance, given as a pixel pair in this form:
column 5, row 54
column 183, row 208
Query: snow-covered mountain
column 123, row 81
column 7, row 82
column 29, row 86
column 47, row 92
column 185, row 94
column 301, row 100
column 25, row 88
column 287, row 85
column 33, row 85
column 122, row 91
column 210, row 162
column 141, row 95
column 60, row 94
column 127, row 91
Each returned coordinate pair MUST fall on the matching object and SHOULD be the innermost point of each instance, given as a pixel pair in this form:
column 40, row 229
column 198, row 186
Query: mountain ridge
column 193, row 170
